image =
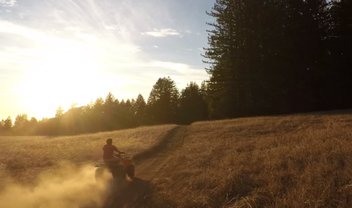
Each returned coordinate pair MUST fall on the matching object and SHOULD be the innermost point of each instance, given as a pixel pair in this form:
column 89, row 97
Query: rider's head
column 109, row 141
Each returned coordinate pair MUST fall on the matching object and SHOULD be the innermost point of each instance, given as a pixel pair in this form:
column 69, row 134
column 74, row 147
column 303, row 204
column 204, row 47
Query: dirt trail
column 149, row 165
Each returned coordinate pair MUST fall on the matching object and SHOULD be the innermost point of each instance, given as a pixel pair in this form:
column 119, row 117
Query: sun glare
column 62, row 76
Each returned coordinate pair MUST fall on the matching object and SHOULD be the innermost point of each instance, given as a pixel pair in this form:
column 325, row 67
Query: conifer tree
column 266, row 56
column 162, row 101
column 192, row 105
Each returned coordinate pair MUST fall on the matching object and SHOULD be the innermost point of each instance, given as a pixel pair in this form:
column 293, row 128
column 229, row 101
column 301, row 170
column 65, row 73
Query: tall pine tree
column 266, row 56
column 162, row 101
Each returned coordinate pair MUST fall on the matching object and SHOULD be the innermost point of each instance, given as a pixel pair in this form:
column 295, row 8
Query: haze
column 60, row 53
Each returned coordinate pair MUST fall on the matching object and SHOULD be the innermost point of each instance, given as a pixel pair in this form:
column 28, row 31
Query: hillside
column 282, row 161
column 24, row 158
column 278, row 161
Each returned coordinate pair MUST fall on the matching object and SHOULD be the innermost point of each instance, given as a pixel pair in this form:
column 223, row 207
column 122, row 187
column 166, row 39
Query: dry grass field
column 283, row 161
column 278, row 161
column 24, row 158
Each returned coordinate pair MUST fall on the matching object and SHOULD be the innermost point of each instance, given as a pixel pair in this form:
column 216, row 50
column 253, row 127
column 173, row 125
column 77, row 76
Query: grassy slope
column 284, row 161
column 25, row 157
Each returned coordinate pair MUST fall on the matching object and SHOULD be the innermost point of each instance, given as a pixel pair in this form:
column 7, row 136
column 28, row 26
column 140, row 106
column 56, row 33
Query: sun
column 61, row 75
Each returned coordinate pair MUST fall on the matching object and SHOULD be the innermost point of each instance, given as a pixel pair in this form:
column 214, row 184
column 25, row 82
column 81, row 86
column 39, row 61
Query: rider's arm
column 118, row 151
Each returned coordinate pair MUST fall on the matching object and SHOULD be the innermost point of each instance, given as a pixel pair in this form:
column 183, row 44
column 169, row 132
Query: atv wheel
column 130, row 171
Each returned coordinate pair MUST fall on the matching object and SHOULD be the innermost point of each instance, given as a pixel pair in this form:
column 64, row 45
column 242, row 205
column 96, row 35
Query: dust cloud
column 68, row 186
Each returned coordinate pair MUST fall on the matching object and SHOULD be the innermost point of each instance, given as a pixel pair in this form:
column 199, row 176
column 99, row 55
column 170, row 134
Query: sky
column 70, row 52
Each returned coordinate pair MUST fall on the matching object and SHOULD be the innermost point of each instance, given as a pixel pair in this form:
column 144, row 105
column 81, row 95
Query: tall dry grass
column 24, row 158
column 57, row 172
column 283, row 161
column 279, row 161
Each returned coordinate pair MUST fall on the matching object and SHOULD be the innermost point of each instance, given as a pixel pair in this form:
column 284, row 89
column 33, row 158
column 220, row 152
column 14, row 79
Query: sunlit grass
column 284, row 161
column 25, row 157
column 279, row 161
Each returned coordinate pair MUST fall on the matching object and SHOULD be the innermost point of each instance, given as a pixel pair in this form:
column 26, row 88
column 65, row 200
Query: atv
column 121, row 168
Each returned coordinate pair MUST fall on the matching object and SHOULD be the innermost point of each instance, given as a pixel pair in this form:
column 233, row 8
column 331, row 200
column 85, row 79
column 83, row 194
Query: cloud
column 161, row 33
column 140, row 76
column 100, row 39
column 163, row 68
column 7, row 3
column 9, row 28
column 32, row 57
column 180, row 72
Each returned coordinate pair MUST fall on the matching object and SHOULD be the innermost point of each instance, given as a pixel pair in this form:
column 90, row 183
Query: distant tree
column 109, row 113
column 33, row 126
column 96, row 115
column 126, row 118
column 98, row 104
column 162, row 101
column 8, row 124
column 48, row 126
column 21, row 124
column 59, row 112
column 139, row 110
column 192, row 106
column 110, row 100
column 70, row 123
column 33, row 120
column 2, row 126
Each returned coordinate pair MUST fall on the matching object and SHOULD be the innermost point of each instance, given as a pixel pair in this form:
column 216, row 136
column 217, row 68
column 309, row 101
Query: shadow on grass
column 130, row 194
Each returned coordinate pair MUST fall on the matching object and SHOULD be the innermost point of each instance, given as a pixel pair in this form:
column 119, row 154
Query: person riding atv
column 118, row 165
column 109, row 149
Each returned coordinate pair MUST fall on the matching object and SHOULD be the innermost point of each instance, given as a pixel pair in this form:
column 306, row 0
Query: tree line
column 265, row 57
column 164, row 105
column 279, row 56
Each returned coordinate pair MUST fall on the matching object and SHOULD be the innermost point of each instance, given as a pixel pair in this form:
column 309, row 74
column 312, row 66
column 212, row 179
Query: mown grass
column 283, row 161
column 24, row 158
